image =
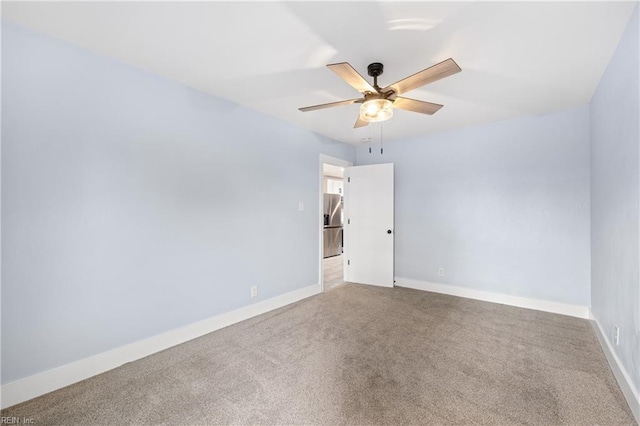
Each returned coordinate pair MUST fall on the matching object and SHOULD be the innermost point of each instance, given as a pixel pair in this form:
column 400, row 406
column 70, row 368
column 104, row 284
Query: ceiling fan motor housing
column 375, row 69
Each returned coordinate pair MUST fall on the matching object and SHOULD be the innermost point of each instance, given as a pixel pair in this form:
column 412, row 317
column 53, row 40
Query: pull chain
column 381, row 150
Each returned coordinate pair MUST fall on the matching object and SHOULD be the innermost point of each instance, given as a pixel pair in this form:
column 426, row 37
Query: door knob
column 388, row 231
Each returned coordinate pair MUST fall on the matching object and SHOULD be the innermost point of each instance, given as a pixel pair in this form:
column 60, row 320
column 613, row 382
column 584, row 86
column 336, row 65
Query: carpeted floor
column 361, row 355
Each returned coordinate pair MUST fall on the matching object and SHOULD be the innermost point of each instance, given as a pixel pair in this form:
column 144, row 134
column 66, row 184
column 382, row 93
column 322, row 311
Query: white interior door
column 369, row 224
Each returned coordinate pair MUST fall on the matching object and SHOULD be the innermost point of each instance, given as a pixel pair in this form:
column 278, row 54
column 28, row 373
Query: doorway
column 331, row 223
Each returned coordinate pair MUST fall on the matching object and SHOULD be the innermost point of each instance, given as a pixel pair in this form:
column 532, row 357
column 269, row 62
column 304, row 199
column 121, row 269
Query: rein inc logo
column 17, row 421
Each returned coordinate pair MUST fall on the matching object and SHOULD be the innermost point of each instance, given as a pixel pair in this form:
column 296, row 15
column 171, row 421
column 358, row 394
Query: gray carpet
column 361, row 355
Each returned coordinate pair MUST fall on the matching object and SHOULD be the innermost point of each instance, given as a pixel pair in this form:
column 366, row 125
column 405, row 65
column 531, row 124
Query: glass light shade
column 376, row 110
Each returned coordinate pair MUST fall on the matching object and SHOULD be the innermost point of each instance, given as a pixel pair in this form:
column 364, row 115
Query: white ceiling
column 517, row 58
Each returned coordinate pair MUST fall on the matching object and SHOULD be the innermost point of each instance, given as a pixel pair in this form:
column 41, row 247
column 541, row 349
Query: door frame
column 326, row 159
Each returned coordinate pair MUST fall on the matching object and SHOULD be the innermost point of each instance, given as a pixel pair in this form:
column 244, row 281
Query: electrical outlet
column 441, row 272
column 254, row 291
column 616, row 335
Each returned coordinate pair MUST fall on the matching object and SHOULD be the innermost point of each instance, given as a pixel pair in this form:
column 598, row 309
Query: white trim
column 48, row 381
column 504, row 299
column 631, row 394
column 336, row 162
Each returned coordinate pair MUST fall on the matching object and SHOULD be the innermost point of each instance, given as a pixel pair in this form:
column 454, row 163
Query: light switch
column 300, row 206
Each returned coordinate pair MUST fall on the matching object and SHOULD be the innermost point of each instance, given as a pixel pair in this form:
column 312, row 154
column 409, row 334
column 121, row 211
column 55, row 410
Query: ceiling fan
column 378, row 102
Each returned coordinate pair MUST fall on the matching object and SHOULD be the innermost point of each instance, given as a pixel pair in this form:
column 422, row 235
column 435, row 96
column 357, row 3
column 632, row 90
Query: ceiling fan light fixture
column 375, row 110
column 375, row 105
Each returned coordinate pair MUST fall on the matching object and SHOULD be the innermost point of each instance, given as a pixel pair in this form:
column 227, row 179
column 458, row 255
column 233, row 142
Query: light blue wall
column 615, row 200
column 132, row 204
column 503, row 207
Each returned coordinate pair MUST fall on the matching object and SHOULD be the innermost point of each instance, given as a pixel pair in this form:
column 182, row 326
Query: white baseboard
column 504, row 299
column 631, row 394
column 48, row 381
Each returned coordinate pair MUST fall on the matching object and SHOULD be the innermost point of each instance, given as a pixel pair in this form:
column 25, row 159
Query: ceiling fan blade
column 330, row 105
column 416, row 106
column 360, row 123
column 429, row 75
column 351, row 76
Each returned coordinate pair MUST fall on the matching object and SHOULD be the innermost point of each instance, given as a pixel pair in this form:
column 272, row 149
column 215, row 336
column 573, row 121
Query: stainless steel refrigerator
column 332, row 225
